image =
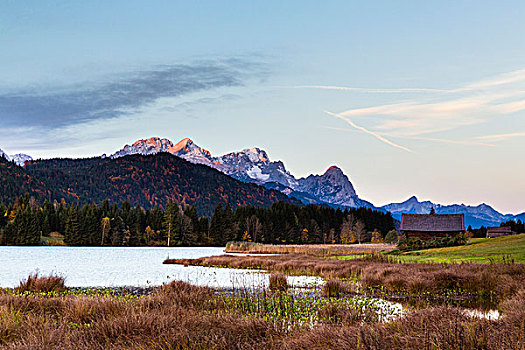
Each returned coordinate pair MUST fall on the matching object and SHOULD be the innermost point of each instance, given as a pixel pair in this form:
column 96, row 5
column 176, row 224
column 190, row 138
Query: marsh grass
column 182, row 316
column 278, row 282
column 487, row 284
column 42, row 284
column 310, row 249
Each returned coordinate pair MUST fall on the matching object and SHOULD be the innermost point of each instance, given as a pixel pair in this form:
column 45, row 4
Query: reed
column 42, row 284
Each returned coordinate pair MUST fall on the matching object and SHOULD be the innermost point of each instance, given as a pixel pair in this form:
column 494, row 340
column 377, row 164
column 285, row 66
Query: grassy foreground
column 478, row 250
column 182, row 316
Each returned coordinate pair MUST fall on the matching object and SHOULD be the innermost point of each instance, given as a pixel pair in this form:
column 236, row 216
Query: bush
column 391, row 237
column 414, row 243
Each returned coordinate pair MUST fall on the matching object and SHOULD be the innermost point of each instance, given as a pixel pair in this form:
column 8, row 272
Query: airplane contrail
column 376, row 135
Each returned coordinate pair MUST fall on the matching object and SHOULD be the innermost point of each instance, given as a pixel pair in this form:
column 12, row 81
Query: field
column 479, row 250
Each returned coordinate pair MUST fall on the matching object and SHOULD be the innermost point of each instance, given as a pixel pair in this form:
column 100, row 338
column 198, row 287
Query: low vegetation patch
column 42, row 284
column 415, row 243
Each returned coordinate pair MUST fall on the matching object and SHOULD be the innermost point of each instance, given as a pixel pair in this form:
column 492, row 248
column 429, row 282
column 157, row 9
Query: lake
column 125, row 266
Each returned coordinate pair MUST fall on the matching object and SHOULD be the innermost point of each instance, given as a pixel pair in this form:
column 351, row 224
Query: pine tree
column 217, row 226
column 72, row 227
column 171, row 224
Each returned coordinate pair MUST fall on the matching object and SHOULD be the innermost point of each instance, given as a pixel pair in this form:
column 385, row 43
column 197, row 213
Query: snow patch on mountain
column 21, row 158
column 256, row 173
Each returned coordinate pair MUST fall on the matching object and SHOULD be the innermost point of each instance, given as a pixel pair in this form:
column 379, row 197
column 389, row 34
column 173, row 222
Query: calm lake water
column 115, row 266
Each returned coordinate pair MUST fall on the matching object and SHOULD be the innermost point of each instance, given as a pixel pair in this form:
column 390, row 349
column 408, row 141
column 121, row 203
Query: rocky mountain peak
column 254, row 165
column 332, row 187
column 154, row 142
column 256, row 155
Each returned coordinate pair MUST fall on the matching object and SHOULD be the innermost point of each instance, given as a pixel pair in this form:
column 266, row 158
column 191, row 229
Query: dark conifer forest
column 28, row 222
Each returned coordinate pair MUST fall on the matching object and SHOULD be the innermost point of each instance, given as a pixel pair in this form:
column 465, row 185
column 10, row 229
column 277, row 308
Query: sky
column 406, row 97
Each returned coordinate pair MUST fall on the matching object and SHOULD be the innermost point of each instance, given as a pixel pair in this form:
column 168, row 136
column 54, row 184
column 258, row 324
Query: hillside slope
column 142, row 180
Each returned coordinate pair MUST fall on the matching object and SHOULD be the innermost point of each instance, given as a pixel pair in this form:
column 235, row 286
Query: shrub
column 415, row 243
column 391, row 237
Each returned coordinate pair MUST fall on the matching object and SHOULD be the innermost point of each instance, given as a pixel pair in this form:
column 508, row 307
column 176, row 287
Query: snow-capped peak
column 152, row 145
column 186, row 146
column 21, row 159
column 256, row 155
column 254, row 165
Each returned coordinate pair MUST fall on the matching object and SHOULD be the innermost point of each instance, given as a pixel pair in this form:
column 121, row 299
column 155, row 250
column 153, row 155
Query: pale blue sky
column 427, row 98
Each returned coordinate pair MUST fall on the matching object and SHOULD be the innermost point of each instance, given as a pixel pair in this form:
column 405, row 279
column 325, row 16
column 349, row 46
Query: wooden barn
column 427, row 226
column 499, row 231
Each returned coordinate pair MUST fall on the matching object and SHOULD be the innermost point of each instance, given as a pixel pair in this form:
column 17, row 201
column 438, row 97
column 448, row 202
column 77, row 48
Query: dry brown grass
column 310, row 249
column 494, row 282
column 181, row 316
column 42, row 284
column 278, row 282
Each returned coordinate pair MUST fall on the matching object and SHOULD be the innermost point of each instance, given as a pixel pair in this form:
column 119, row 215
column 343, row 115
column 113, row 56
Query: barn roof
column 433, row 222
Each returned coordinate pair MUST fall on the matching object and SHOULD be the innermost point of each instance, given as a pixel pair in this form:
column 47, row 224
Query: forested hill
column 14, row 181
column 147, row 181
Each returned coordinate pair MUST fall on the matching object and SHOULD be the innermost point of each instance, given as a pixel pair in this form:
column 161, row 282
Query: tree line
column 28, row 222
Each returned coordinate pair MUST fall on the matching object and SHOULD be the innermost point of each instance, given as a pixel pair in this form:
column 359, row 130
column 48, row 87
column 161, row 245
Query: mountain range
column 333, row 187
column 254, row 165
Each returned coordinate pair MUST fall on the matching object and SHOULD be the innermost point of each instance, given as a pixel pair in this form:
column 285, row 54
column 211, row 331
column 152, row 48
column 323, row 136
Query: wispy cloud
column 501, row 137
column 376, row 135
column 371, row 90
column 427, row 111
column 62, row 106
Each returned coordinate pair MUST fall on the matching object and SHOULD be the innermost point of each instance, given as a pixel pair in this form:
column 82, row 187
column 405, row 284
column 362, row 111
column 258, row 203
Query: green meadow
column 479, row 250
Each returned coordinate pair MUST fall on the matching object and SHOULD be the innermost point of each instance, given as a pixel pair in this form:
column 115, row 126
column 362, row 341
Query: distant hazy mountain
column 476, row 216
column 254, row 165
